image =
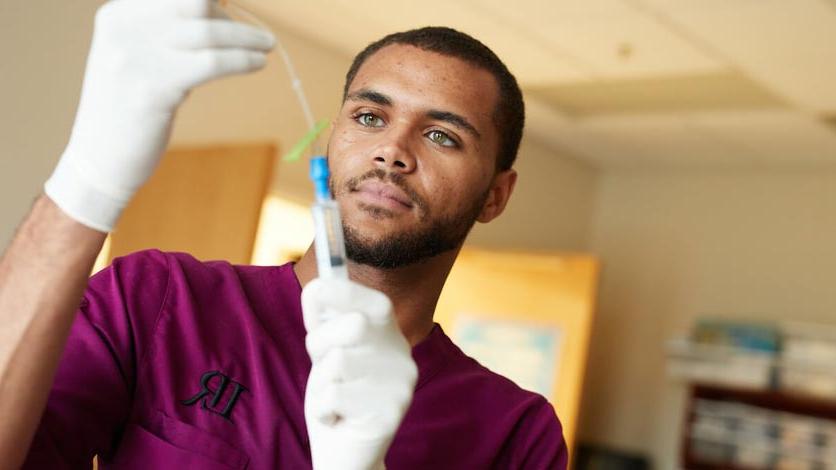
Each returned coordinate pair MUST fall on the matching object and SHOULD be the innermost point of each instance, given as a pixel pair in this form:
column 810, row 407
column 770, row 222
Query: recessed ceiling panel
column 549, row 12
column 665, row 95
column 790, row 46
column 350, row 26
column 649, row 142
column 629, row 47
column 527, row 56
column 332, row 24
column 774, row 136
column 542, row 121
column 607, row 37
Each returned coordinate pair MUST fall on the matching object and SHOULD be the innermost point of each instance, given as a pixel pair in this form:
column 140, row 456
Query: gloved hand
column 145, row 57
column 363, row 374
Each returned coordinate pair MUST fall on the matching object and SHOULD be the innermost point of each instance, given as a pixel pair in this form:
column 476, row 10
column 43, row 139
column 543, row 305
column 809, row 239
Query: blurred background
column 688, row 147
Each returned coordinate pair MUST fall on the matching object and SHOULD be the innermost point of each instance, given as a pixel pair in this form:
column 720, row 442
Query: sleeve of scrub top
column 540, row 442
column 91, row 395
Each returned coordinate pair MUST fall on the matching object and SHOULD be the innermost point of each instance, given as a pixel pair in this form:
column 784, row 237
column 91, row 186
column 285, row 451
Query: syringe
column 328, row 235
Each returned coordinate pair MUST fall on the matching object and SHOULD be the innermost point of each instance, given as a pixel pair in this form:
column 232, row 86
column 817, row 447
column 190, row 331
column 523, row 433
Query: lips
column 384, row 193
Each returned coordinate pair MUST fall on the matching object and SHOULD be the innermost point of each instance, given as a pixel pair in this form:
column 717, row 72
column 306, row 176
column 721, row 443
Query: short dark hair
column 509, row 115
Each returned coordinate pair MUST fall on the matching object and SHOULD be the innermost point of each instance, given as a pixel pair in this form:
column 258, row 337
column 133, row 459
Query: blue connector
column 328, row 227
column 319, row 175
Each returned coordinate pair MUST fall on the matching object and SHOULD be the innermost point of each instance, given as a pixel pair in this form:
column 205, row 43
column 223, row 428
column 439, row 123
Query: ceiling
column 636, row 83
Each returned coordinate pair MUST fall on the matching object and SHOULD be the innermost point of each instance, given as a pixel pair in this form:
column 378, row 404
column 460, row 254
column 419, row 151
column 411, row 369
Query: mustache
column 396, row 179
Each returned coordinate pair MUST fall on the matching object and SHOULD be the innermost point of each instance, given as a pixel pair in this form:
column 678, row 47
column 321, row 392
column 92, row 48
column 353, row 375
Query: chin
column 363, row 214
column 372, row 230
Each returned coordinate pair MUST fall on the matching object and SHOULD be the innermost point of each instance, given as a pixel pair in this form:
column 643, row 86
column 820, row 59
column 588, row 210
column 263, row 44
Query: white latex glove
column 144, row 58
column 363, row 374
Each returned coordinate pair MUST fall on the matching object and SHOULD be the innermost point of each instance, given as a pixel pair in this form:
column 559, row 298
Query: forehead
column 423, row 79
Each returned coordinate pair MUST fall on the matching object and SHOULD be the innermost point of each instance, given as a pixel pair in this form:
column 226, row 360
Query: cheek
column 341, row 155
column 473, row 187
column 341, row 140
column 450, row 191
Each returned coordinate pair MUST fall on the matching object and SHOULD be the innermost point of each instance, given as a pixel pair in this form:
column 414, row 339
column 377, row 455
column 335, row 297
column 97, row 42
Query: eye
column 441, row 138
column 369, row 120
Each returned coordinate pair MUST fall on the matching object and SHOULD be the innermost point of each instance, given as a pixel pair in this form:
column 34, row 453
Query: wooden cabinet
column 204, row 200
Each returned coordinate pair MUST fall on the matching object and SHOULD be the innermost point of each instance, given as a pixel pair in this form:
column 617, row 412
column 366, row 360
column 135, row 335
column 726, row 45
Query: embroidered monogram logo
column 210, row 398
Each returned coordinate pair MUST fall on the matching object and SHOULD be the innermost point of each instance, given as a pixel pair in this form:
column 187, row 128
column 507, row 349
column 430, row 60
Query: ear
column 500, row 192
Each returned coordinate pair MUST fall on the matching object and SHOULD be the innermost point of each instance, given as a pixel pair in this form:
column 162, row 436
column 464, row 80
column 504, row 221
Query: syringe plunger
column 328, row 240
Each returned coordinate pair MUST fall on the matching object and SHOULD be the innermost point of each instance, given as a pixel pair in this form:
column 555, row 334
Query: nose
column 394, row 154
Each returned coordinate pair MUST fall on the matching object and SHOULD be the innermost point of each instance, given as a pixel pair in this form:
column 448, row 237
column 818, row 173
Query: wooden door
column 205, row 201
column 527, row 316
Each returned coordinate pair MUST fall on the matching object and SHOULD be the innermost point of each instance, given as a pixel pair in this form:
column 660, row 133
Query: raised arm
column 42, row 276
column 146, row 55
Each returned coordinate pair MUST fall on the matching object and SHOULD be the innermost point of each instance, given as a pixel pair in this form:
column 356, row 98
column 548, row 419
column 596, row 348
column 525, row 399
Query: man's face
column 412, row 155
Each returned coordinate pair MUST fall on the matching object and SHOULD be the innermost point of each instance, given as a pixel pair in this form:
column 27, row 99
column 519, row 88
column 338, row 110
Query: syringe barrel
column 328, row 240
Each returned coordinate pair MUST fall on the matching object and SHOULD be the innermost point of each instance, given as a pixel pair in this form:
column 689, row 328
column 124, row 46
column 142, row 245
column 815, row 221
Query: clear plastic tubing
column 234, row 9
column 328, row 227
column 328, row 237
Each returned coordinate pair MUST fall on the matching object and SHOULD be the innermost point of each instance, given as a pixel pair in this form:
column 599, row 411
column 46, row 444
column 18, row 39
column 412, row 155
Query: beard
column 436, row 236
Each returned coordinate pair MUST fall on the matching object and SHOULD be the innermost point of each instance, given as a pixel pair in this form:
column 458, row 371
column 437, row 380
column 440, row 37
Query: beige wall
column 43, row 44
column 678, row 245
column 551, row 207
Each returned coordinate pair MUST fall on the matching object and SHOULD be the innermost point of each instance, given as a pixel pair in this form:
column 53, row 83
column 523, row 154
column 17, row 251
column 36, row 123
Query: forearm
column 145, row 57
column 42, row 277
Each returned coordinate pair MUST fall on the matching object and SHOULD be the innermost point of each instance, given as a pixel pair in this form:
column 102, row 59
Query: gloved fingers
column 189, row 8
column 167, row 8
column 205, row 65
column 321, row 295
column 329, row 369
column 320, row 387
column 322, row 299
column 362, row 404
column 206, row 34
column 363, row 362
column 343, row 329
column 344, row 364
column 323, row 406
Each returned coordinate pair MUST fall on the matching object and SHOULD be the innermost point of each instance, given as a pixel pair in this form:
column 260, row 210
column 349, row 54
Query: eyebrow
column 370, row 95
column 456, row 120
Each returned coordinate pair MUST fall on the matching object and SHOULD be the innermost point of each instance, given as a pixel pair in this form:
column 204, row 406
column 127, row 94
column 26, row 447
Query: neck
column 413, row 289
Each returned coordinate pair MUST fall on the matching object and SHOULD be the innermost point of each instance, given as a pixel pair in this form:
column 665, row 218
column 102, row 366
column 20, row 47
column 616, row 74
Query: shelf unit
column 777, row 401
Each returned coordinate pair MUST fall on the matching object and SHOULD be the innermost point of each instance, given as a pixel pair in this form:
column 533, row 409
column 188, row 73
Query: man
column 174, row 363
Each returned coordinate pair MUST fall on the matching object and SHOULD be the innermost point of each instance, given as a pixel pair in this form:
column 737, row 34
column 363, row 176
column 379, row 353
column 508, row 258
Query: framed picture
column 527, row 316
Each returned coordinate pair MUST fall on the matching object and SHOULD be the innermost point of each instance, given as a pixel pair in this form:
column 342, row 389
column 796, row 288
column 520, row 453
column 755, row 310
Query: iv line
column 295, row 81
column 328, row 240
